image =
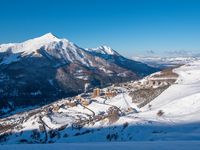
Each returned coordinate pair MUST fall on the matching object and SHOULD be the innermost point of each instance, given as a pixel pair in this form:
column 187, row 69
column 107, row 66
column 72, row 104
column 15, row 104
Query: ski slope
column 181, row 101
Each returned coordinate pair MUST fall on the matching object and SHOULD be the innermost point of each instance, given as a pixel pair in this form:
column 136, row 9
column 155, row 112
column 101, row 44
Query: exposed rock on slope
column 108, row 109
column 44, row 69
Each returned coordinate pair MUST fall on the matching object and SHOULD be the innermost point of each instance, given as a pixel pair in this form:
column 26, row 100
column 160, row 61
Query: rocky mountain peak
column 105, row 50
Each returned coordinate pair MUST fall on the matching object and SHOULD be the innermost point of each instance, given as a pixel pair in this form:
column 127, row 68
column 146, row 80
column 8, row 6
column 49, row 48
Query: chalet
column 71, row 103
column 82, row 100
column 110, row 93
column 55, row 108
column 85, row 103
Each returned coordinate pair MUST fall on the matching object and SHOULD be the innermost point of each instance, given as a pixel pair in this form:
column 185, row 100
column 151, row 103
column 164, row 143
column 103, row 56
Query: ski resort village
column 161, row 106
column 99, row 75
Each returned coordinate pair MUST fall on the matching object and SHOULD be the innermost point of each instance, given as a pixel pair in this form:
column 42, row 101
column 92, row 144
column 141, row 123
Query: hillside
column 44, row 69
column 168, row 109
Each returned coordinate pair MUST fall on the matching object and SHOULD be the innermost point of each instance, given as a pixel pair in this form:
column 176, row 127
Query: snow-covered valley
column 164, row 106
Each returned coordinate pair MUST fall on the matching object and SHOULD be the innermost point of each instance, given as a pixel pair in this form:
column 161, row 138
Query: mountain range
column 45, row 69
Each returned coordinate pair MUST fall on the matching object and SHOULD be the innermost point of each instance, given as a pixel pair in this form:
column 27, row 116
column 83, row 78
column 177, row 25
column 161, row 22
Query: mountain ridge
column 47, row 68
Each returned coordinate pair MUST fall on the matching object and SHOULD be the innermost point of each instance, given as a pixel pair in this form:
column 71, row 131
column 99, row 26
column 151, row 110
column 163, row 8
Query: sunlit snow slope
column 181, row 101
column 172, row 115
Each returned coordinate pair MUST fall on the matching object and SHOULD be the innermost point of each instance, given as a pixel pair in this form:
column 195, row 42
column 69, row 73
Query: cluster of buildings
column 86, row 98
column 108, row 93
column 148, row 83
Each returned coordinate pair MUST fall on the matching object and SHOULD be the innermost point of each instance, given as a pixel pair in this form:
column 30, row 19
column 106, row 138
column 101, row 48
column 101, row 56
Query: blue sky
column 129, row 26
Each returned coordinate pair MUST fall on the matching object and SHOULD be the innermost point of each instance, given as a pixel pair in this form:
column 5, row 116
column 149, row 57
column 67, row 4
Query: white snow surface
column 30, row 45
column 52, row 46
column 158, row 145
column 181, row 101
column 103, row 50
column 180, row 121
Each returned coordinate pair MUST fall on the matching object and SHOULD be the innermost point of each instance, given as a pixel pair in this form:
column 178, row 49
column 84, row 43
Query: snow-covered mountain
column 44, row 69
column 163, row 106
column 104, row 50
column 48, row 46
